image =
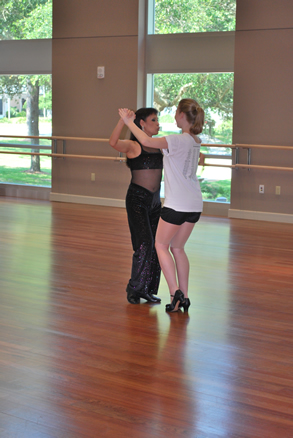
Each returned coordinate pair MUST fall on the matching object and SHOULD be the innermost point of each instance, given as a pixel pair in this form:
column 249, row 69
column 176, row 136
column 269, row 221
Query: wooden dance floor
column 78, row 361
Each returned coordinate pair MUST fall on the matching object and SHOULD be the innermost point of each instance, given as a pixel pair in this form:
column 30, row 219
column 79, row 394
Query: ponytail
column 194, row 114
column 197, row 127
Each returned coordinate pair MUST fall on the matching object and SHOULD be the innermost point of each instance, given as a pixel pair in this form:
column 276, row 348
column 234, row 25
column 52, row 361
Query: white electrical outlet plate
column 101, row 72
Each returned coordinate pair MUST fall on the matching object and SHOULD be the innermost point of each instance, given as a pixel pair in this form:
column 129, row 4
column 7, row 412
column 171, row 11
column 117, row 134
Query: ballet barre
column 120, row 158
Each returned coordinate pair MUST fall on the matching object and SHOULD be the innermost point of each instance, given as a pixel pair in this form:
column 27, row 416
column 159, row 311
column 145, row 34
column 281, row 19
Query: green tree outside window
column 26, row 19
column 177, row 16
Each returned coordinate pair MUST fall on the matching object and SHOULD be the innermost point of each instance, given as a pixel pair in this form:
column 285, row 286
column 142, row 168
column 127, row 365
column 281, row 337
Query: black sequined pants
column 143, row 211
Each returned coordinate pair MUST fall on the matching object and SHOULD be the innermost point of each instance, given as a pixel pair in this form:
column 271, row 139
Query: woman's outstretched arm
column 152, row 142
column 123, row 146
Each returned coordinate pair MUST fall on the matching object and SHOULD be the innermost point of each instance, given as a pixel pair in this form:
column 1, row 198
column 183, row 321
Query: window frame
column 204, row 52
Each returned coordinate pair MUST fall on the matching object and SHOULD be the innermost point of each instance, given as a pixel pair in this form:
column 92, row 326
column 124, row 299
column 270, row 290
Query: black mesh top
column 146, row 169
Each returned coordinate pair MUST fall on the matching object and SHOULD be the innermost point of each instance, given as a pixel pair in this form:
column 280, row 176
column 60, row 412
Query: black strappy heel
column 178, row 300
column 185, row 304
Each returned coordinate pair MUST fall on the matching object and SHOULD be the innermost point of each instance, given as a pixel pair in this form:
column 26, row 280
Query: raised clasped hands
column 126, row 115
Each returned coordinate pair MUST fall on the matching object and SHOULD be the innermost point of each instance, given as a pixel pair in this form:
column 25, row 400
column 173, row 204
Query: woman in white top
column 183, row 200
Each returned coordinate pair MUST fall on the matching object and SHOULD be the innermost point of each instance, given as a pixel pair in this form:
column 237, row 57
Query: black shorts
column 178, row 217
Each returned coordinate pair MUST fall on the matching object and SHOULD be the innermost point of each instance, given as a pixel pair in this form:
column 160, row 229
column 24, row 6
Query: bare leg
column 181, row 259
column 164, row 236
column 175, row 270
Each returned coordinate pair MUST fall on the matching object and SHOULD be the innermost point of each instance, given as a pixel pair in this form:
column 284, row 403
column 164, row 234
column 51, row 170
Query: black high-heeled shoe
column 185, row 304
column 178, row 299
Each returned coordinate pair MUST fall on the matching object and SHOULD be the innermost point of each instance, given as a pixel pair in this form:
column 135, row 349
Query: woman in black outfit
column 143, row 205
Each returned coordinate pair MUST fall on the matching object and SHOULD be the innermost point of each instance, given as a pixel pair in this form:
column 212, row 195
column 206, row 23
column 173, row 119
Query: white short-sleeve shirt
column 182, row 189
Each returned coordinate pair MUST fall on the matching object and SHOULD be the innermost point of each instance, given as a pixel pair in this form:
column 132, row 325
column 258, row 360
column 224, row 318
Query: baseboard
column 91, row 200
column 213, row 208
column 26, row 192
column 261, row 216
column 209, row 209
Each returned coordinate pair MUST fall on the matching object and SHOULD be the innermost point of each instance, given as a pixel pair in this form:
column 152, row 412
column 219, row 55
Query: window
column 26, row 100
column 25, row 19
column 177, row 42
column 27, row 106
column 177, row 16
column 214, row 92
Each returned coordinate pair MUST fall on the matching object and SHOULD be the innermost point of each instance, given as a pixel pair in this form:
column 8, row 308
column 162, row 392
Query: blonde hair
column 194, row 114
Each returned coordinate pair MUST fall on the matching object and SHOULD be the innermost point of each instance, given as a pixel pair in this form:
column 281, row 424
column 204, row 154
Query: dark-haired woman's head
column 147, row 120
